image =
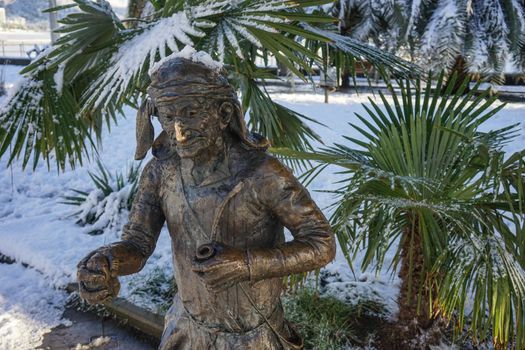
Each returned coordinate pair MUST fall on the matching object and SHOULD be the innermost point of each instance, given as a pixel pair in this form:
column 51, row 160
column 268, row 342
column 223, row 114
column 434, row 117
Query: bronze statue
column 225, row 201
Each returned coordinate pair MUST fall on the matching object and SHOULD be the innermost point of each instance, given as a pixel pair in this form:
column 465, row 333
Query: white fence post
column 53, row 24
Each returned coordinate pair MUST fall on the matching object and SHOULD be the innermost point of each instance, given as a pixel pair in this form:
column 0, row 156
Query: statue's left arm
column 283, row 197
column 313, row 245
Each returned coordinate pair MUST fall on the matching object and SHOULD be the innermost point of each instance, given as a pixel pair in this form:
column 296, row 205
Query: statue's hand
column 226, row 268
column 97, row 281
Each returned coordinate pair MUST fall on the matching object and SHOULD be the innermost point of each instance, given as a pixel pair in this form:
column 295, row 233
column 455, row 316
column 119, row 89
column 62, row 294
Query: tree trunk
column 282, row 69
column 460, row 69
column 345, row 80
column 135, row 8
column 415, row 327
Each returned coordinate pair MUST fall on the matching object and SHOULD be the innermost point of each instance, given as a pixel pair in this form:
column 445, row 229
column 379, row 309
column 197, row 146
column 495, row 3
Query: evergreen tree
column 371, row 20
column 485, row 33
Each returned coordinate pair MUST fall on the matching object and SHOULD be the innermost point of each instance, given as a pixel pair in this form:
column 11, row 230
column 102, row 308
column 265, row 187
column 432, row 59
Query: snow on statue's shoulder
column 189, row 53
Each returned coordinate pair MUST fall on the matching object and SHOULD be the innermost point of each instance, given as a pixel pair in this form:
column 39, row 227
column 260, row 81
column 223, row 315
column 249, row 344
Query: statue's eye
column 167, row 117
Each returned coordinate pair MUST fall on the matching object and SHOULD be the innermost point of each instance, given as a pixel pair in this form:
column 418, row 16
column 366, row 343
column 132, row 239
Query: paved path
column 88, row 329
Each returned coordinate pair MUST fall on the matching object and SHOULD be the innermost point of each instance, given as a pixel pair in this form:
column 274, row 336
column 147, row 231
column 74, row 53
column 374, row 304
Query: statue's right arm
column 140, row 234
column 98, row 271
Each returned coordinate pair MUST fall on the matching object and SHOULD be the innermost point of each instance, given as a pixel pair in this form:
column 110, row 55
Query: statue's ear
column 226, row 112
column 144, row 130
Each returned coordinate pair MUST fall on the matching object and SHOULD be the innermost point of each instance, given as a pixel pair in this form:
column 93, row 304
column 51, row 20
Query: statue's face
column 193, row 123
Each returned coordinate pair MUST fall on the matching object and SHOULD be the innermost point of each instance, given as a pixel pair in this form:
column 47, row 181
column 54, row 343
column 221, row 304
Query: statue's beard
column 195, row 146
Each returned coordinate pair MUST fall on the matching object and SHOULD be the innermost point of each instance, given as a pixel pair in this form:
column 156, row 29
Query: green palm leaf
column 99, row 65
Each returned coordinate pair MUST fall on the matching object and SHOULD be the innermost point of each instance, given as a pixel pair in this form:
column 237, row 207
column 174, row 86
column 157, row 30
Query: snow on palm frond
column 466, row 265
column 491, row 25
column 139, row 53
column 372, row 12
column 30, row 90
column 486, row 33
column 362, row 51
column 517, row 26
column 230, row 22
column 413, row 15
column 363, row 30
column 107, row 206
column 443, row 36
column 370, row 20
column 211, row 7
column 35, row 121
column 95, row 27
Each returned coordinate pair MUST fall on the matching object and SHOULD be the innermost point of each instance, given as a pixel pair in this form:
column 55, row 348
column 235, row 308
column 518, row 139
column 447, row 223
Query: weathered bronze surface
column 225, row 202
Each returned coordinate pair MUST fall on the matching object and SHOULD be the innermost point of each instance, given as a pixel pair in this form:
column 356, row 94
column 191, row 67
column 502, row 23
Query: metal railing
column 21, row 48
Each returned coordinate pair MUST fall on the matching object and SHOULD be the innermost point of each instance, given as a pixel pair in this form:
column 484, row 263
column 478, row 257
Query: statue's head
column 196, row 106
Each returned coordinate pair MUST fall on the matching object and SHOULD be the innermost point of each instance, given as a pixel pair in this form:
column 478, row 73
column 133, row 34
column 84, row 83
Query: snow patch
column 95, row 343
column 29, row 307
column 59, row 78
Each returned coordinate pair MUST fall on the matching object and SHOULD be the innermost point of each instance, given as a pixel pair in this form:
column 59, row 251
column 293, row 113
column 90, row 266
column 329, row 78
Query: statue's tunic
column 258, row 197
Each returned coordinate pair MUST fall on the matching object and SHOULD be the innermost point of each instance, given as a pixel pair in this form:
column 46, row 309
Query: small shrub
column 326, row 323
column 107, row 205
column 155, row 291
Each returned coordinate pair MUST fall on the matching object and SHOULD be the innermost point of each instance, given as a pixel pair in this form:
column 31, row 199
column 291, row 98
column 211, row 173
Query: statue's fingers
column 115, row 286
column 203, row 266
column 99, row 263
column 92, row 287
column 97, row 297
column 84, row 275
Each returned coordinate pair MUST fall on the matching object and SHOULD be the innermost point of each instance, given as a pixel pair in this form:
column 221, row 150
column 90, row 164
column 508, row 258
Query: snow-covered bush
column 107, row 205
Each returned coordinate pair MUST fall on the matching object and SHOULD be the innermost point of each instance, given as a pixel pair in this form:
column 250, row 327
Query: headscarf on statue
column 182, row 77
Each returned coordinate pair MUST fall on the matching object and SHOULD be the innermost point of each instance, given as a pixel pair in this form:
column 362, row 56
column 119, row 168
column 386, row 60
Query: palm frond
column 359, row 51
column 99, row 65
column 482, row 267
column 36, row 122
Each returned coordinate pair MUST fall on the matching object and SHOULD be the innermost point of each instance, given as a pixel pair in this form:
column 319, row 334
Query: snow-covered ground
column 29, row 307
column 35, row 228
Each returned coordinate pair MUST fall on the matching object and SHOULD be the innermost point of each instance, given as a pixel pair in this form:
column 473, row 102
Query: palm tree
column 135, row 8
column 99, row 65
column 426, row 184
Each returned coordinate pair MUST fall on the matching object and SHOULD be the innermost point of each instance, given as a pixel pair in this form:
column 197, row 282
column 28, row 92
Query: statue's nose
column 179, row 133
